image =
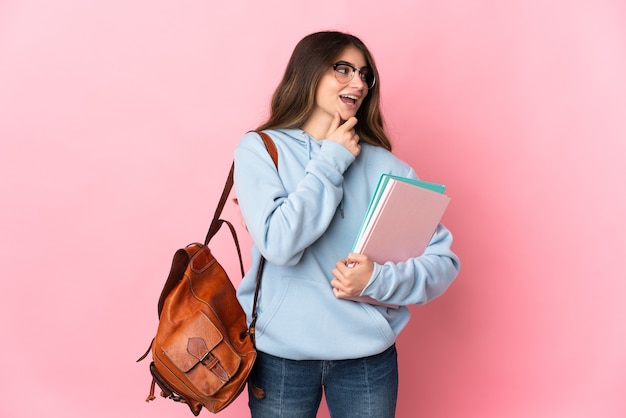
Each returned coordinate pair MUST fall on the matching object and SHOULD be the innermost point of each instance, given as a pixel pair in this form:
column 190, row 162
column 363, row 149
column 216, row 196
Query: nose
column 357, row 81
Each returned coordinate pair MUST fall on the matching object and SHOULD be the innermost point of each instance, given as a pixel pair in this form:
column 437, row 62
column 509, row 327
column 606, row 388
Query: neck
column 317, row 126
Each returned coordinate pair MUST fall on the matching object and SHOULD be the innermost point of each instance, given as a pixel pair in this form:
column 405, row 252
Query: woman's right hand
column 344, row 134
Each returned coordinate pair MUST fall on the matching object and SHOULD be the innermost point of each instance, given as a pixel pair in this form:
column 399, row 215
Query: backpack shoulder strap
column 271, row 149
column 216, row 223
column 271, row 146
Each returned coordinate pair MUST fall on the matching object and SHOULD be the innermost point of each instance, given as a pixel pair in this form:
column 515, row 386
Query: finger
column 336, row 284
column 339, row 292
column 357, row 257
column 351, row 262
column 350, row 123
column 342, row 263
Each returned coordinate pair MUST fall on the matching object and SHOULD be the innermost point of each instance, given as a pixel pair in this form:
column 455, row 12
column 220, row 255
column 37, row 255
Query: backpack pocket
column 198, row 350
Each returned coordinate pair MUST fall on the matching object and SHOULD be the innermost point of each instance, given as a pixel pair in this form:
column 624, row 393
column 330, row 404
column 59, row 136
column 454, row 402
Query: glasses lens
column 345, row 72
column 368, row 77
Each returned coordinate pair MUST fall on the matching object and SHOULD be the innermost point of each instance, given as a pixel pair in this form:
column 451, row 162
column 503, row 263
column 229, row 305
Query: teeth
column 350, row 97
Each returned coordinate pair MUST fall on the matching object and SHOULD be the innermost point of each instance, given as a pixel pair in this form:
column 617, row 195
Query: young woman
column 303, row 218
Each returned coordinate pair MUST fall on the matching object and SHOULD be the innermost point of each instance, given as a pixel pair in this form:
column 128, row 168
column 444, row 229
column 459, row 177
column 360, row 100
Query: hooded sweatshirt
column 303, row 218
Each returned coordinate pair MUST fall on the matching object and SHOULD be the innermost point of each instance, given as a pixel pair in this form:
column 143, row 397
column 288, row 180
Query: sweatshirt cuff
column 371, row 288
column 337, row 155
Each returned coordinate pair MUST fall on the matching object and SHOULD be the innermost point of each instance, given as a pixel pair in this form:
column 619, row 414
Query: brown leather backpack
column 203, row 350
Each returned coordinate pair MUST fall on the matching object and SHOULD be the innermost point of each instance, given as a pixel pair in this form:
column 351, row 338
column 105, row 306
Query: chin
column 346, row 115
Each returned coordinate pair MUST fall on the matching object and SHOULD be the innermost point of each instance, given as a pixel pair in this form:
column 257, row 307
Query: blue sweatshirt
column 305, row 217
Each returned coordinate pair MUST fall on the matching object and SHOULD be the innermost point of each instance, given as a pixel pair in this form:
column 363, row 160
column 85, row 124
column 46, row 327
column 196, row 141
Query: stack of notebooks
column 400, row 220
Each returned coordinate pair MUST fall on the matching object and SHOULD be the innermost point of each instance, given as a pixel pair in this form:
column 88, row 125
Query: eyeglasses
column 344, row 72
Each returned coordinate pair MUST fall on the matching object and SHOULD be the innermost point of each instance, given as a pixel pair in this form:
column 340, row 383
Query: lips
column 349, row 99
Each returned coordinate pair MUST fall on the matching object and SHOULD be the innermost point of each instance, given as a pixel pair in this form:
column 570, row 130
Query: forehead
column 353, row 55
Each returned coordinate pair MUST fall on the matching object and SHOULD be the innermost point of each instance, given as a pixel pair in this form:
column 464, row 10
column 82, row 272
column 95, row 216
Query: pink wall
column 117, row 125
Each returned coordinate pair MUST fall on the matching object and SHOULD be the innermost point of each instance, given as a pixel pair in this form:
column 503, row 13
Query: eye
column 343, row 69
column 365, row 74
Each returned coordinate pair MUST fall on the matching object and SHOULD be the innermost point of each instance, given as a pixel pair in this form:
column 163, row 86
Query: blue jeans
column 359, row 388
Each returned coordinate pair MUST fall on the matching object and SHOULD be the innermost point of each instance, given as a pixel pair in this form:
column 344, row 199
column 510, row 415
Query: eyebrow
column 354, row 66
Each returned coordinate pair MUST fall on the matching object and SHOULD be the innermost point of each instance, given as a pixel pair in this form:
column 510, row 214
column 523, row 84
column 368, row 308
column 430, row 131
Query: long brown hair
column 294, row 99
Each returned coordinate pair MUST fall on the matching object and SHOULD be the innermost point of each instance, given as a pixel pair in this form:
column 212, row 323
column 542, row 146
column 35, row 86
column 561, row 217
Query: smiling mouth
column 346, row 98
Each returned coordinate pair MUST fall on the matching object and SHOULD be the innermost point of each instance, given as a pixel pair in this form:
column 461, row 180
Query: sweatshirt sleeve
column 283, row 224
column 417, row 280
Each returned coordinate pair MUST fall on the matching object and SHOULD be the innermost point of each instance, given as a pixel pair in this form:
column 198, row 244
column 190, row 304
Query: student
column 303, row 218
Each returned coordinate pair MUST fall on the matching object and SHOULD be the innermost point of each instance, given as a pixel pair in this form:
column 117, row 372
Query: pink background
column 117, row 124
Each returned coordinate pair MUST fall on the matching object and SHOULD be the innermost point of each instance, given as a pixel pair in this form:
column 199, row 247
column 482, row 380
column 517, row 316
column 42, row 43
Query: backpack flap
column 199, row 351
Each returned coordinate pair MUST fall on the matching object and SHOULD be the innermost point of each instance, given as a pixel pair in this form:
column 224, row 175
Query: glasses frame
column 354, row 70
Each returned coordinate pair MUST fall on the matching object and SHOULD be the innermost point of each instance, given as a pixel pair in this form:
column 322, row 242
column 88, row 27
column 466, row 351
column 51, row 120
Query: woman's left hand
column 351, row 275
